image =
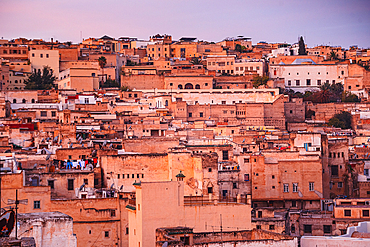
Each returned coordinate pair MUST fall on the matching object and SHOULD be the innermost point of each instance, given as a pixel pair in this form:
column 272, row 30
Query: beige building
column 222, row 64
column 41, row 58
column 162, row 204
column 79, row 79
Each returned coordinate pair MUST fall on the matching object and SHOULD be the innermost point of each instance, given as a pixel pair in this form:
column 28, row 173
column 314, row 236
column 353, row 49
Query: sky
column 320, row 22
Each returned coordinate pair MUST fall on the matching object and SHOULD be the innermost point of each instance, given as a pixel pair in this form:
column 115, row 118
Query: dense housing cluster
column 128, row 142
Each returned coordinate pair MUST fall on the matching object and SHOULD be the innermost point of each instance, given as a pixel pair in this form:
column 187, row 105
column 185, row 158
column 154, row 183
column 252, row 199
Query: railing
column 207, row 200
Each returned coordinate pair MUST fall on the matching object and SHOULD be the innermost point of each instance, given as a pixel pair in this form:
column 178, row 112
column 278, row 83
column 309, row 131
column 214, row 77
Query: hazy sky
column 334, row 22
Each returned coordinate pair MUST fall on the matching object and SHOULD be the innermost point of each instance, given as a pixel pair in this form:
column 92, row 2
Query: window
column 366, row 172
column 190, row 114
column 133, row 175
column 200, row 114
column 127, row 231
column 118, row 175
column 271, row 227
column 258, row 226
column 308, row 81
column 340, row 184
column 210, row 190
column 286, row 187
column 86, row 181
column 327, row 229
column 86, row 100
column 295, row 187
column 259, row 214
column 297, row 82
column 347, row 212
column 307, row 228
column 70, row 184
column 292, row 229
column 41, row 55
column 318, row 82
column 225, row 155
column 47, row 55
column 289, row 82
column 112, row 213
column 273, row 176
column 53, row 113
column 246, row 177
column 311, row 186
column 51, row 184
column 209, row 169
column 36, row 204
column 235, row 186
column 294, row 204
column 93, row 74
column 44, row 113
column 334, row 170
column 106, row 234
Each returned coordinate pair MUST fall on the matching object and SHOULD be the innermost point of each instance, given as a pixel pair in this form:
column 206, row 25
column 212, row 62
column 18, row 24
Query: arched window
column 197, row 86
column 14, row 101
column 16, row 81
column 33, row 100
column 189, row 86
column 166, row 103
column 24, row 101
column 179, row 86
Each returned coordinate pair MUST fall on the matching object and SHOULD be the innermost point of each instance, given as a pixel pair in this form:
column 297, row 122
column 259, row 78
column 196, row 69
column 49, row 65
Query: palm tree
column 333, row 56
column 102, row 62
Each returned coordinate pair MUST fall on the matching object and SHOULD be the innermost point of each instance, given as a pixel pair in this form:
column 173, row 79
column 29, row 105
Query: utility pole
column 222, row 242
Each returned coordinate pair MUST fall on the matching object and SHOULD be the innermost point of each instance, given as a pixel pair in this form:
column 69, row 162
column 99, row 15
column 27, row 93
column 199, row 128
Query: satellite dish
column 112, row 186
column 82, row 186
column 165, row 244
column 7, row 222
column 121, row 187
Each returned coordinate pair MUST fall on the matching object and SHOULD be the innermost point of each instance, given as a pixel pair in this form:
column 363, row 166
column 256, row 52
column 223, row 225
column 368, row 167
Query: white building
column 305, row 74
column 357, row 236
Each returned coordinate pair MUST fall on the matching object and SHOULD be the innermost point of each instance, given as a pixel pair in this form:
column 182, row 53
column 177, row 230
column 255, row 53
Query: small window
column 51, row 184
column 311, row 186
column 210, row 190
column 258, row 226
column 70, row 184
column 340, row 184
column 118, row 176
column 365, row 213
column 271, row 227
column 106, row 234
column 47, row 55
column 347, row 212
column 201, row 114
column 295, row 187
column 53, row 113
column 235, row 185
column 209, row 169
column 307, row 228
column 286, row 187
column 36, row 204
column 41, row 55
column 133, row 175
column 44, row 114
column 112, row 213
column 327, row 229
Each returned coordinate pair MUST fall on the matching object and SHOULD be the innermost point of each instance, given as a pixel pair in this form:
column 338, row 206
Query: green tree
column 349, row 97
column 41, row 80
column 240, row 48
column 109, row 83
column 196, row 61
column 102, row 62
column 333, row 56
column 259, row 80
column 341, row 120
column 125, row 88
column 302, row 47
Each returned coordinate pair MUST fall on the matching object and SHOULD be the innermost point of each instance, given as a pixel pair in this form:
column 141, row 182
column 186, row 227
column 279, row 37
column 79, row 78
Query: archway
column 197, row 86
column 189, row 86
column 179, row 86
